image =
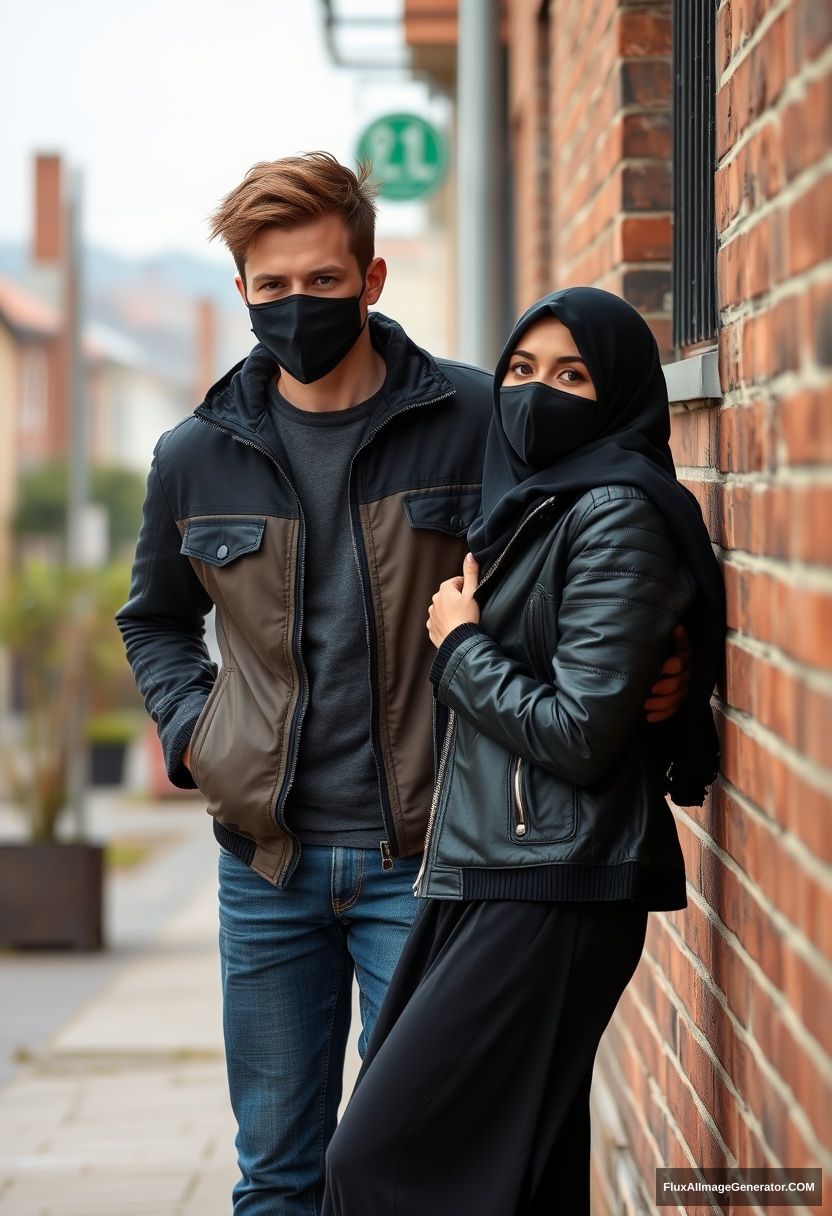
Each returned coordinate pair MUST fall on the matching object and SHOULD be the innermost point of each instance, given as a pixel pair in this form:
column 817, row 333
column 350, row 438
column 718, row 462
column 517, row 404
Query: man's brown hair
column 294, row 190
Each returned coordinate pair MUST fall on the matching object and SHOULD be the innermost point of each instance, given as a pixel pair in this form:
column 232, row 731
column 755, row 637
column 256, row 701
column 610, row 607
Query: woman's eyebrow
column 525, row 354
column 571, row 359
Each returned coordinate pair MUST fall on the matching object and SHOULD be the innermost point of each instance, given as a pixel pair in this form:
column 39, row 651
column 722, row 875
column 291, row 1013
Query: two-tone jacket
column 551, row 784
column 223, row 526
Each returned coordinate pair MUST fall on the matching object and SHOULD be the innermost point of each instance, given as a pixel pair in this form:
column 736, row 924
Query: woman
column 550, row 838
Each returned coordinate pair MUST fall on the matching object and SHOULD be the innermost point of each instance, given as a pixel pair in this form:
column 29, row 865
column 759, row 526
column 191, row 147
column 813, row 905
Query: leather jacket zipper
column 300, row 709
column 498, row 559
column 434, row 802
column 519, row 809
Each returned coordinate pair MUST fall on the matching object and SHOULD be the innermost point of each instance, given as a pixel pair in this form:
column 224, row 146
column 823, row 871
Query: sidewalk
column 126, row 1113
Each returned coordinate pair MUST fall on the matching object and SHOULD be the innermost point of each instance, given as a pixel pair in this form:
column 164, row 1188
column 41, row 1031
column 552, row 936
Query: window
column 695, row 305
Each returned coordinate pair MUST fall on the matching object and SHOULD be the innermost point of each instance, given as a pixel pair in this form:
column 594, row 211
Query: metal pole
column 479, row 211
column 78, row 481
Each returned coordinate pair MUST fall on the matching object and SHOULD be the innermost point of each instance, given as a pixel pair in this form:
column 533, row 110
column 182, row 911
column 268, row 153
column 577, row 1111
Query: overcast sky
column 164, row 104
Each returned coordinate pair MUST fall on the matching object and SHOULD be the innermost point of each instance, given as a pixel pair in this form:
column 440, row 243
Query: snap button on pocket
column 222, row 552
column 456, row 522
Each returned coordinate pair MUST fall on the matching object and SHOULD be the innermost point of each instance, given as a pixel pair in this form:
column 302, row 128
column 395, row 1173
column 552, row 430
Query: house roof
column 24, row 313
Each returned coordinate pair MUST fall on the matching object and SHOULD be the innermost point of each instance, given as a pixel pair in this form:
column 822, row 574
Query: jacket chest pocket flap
column 220, row 539
column 451, row 512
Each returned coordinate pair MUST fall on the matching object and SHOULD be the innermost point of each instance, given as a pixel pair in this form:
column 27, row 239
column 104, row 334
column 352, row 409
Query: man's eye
column 324, row 280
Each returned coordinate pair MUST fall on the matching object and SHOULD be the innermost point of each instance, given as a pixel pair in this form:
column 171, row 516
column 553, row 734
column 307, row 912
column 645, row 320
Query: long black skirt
column 473, row 1098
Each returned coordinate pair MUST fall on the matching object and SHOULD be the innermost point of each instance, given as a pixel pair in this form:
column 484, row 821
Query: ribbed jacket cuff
column 458, row 635
column 175, row 738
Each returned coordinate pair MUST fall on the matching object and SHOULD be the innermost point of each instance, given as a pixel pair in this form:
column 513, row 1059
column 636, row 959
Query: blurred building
column 678, row 154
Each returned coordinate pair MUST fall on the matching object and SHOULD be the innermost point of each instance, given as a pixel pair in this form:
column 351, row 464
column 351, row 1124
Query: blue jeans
column 287, row 962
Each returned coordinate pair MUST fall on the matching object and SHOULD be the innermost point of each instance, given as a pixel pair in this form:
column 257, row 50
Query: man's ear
column 375, row 279
column 241, row 287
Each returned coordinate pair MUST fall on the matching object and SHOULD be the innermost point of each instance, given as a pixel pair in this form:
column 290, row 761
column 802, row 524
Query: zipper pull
column 386, row 855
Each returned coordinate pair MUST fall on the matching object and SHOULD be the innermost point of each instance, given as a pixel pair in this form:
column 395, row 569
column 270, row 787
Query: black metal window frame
column 694, row 286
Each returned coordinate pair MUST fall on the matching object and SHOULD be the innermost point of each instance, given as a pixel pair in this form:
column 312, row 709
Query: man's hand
column 186, row 757
column 670, row 690
column 454, row 603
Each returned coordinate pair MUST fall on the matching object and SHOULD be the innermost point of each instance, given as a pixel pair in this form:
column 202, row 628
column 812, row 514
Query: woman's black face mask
column 308, row 335
column 542, row 423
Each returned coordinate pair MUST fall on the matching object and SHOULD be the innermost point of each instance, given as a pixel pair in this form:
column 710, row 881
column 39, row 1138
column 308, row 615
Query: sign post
column 408, row 154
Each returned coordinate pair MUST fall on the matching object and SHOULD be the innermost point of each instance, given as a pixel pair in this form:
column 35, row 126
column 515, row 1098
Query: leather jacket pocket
column 543, row 809
column 449, row 511
column 221, row 539
column 205, row 722
column 541, row 632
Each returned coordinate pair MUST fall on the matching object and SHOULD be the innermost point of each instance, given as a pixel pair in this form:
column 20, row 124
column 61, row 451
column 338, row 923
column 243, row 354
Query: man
column 317, row 497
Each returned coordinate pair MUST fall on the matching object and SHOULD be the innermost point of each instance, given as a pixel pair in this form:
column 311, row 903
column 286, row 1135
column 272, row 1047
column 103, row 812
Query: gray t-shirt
column 335, row 796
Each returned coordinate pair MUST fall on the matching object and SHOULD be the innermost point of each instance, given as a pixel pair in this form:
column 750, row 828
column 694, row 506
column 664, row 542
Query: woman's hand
column 454, row 603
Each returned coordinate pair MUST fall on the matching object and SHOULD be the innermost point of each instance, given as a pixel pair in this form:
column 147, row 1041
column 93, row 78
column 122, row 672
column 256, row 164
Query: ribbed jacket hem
column 659, row 890
column 466, row 630
column 239, row 845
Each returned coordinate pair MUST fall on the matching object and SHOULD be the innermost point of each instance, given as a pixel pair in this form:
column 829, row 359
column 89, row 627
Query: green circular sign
column 408, row 155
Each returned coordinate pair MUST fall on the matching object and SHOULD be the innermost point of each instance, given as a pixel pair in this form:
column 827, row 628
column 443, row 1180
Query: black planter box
column 107, row 763
column 52, row 895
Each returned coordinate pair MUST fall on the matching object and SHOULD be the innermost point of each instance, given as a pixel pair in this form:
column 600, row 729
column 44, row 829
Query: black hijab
column 630, row 446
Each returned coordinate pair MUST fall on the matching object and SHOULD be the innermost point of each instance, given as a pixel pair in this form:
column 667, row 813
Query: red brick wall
column 601, row 123
column 721, row 1049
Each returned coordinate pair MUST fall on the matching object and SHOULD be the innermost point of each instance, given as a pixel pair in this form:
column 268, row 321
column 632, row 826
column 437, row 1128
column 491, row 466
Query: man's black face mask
column 308, row 335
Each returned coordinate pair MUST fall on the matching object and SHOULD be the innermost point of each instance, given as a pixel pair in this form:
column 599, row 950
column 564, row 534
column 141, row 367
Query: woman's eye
column 521, row 369
column 575, row 377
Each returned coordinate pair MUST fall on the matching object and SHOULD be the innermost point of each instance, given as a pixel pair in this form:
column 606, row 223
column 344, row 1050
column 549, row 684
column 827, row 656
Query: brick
column 817, row 323
column 810, row 226
column 693, row 439
column 643, row 238
column 771, row 341
column 806, row 124
column 647, row 289
column 724, row 42
column 645, row 187
column 643, row 33
column 643, row 82
column 646, row 135
column 746, row 438
column 815, row 27
column 804, row 423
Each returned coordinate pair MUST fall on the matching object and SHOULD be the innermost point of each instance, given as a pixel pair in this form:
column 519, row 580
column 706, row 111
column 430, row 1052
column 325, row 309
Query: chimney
column 48, row 237
column 206, row 346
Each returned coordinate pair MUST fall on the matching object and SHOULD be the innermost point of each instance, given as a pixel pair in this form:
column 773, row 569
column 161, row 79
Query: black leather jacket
column 549, row 786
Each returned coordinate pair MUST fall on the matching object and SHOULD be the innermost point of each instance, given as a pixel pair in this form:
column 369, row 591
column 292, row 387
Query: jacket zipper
column 519, row 809
column 390, row 844
column 437, row 789
column 300, row 709
column 434, row 802
column 498, row 560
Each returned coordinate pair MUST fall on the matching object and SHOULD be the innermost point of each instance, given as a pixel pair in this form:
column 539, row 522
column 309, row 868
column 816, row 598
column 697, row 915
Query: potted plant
column 109, row 735
column 57, row 628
